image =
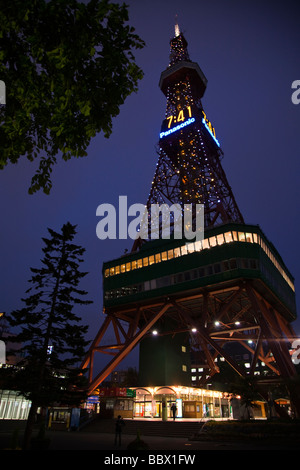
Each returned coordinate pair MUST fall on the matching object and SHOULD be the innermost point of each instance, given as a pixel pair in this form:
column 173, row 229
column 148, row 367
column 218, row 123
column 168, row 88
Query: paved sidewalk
column 78, row 440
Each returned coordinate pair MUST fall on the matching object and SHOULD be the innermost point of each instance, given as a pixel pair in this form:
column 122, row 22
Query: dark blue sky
column 249, row 52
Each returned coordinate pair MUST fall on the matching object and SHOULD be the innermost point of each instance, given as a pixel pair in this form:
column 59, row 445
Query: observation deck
column 228, row 255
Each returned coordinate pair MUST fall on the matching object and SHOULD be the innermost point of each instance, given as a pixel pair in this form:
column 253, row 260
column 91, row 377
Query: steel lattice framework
column 264, row 332
column 189, row 169
column 247, row 302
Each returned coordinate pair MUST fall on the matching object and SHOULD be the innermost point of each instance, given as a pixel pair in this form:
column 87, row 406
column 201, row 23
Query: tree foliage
column 49, row 329
column 68, row 67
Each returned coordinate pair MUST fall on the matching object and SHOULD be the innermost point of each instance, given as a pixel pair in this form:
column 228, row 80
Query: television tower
column 232, row 286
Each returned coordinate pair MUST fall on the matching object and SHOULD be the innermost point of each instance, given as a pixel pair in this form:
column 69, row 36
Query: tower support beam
column 127, row 348
column 277, row 344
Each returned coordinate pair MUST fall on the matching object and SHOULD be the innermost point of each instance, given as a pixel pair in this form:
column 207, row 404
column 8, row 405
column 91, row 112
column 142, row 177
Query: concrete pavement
column 104, row 442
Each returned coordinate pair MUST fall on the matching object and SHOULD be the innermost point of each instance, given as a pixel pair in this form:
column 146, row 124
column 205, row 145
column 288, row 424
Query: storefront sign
column 116, row 392
column 93, row 399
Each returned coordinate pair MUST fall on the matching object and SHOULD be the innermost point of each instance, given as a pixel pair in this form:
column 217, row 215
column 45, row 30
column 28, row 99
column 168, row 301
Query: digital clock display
column 210, row 128
column 176, row 122
column 184, row 118
column 180, row 116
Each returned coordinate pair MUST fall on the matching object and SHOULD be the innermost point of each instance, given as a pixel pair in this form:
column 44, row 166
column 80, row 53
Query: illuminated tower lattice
column 189, row 169
column 232, row 286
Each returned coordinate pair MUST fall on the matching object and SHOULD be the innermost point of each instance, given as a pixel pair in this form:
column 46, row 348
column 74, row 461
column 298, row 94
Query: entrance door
column 139, row 409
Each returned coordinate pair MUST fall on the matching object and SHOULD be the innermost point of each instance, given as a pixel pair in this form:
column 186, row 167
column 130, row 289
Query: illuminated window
column 235, row 237
column 134, row 264
column 212, row 241
column 220, row 239
column 170, row 254
column 184, row 367
column 176, row 252
column 249, row 237
column 157, row 258
column 183, row 348
column 112, row 271
column 228, row 237
column 205, row 243
column 106, row 273
column 117, row 270
column 198, row 246
column 140, row 263
column 145, row 262
column 183, row 250
column 164, row 256
column 128, row 266
column 151, row 259
column 191, row 248
column 241, row 236
column 122, row 268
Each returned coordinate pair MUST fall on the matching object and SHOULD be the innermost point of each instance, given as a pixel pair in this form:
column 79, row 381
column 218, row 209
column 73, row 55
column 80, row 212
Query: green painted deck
column 227, row 255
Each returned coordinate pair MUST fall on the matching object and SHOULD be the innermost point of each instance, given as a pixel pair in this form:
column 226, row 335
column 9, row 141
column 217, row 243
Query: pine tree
column 52, row 338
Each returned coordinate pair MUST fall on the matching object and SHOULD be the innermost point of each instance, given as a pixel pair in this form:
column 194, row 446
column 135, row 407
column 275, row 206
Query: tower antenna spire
column 177, row 30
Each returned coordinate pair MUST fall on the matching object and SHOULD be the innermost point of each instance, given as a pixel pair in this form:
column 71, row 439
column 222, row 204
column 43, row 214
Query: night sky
column 249, row 52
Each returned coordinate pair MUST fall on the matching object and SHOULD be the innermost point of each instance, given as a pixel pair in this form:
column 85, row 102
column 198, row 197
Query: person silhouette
column 119, row 426
column 174, row 409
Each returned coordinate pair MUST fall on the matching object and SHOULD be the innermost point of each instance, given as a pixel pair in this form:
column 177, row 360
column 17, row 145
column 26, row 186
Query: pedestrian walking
column 119, row 427
column 174, row 409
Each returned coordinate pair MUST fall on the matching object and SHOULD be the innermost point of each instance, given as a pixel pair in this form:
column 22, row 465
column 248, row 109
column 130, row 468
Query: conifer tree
column 49, row 329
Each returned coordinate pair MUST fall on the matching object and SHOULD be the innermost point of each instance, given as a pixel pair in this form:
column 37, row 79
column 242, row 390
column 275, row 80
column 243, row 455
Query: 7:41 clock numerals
column 180, row 117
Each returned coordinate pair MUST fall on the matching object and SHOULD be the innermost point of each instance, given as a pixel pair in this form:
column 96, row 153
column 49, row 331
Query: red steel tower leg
column 130, row 341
